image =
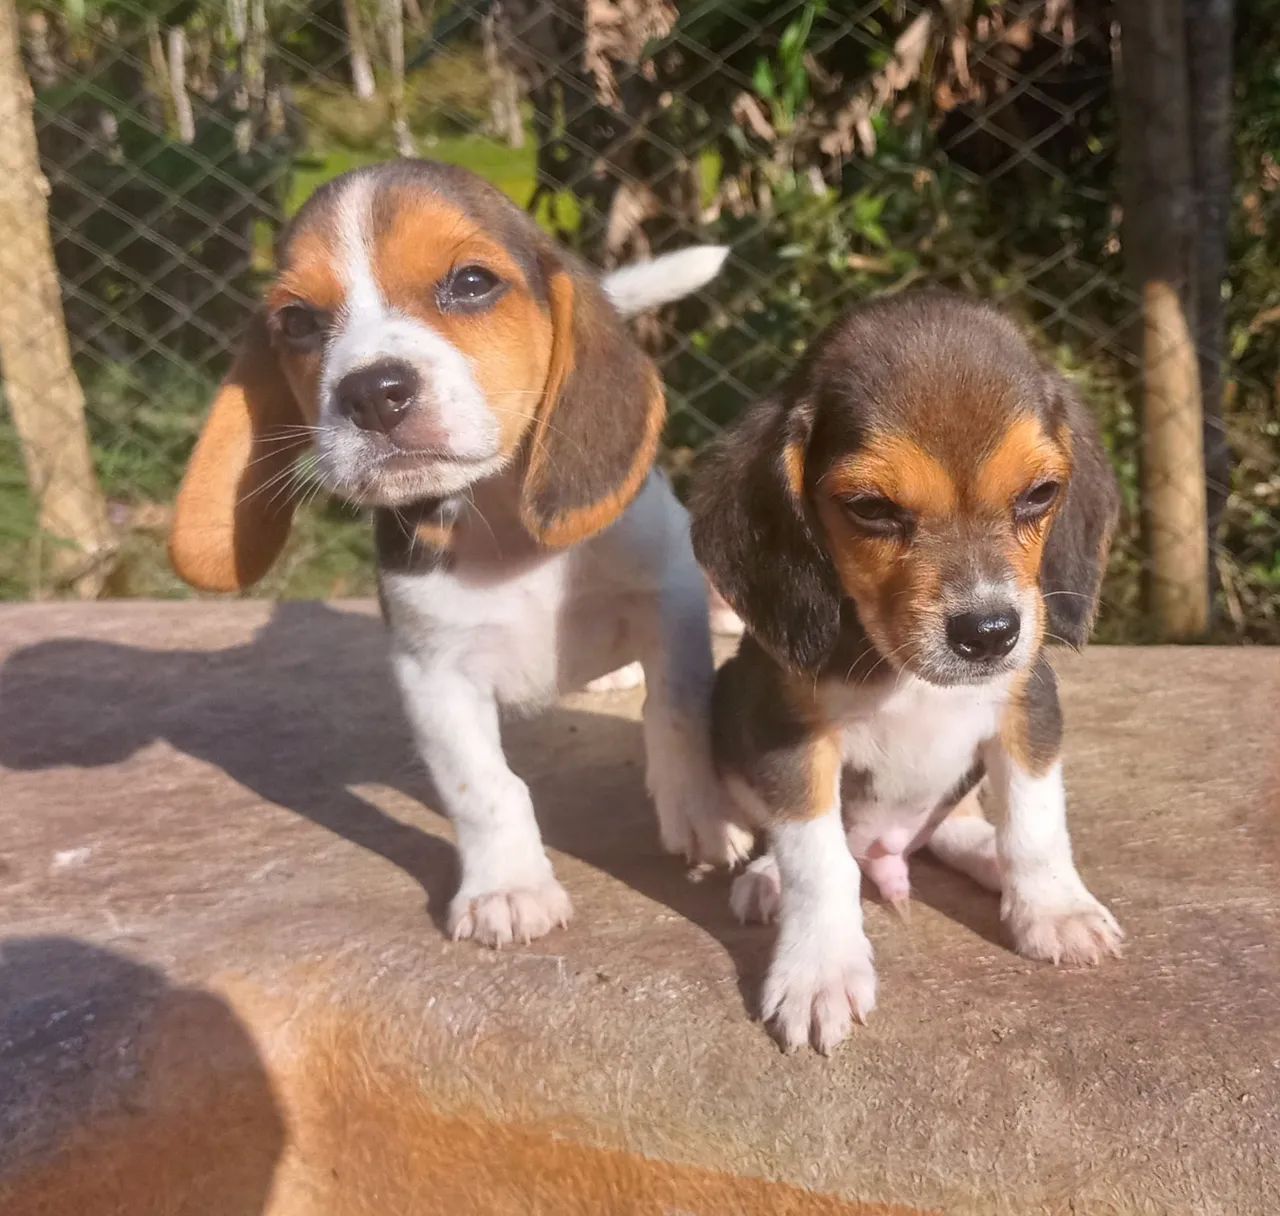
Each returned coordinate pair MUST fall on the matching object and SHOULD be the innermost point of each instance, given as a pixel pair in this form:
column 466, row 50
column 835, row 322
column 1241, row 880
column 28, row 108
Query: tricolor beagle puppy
column 445, row 363
column 902, row 528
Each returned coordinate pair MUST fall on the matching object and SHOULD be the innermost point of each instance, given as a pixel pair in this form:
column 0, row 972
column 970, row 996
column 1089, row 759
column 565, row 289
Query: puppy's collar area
column 416, row 538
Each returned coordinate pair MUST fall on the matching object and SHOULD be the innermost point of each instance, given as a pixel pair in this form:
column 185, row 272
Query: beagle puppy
column 443, row 362
column 902, row 528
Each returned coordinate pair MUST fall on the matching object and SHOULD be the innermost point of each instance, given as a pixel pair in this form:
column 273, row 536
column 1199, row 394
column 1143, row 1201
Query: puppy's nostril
column 377, row 397
column 397, row 392
column 983, row 635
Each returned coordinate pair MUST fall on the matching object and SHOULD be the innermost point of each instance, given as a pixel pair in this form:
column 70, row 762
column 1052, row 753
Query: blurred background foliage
column 841, row 149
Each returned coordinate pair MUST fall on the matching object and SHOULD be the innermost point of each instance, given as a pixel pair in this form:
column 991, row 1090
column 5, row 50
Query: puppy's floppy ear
column 754, row 535
column 597, row 429
column 1075, row 554
column 234, row 511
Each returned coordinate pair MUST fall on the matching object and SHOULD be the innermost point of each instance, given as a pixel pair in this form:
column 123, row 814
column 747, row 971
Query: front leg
column 786, row 772
column 1050, row 911
column 821, row 976
column 696, row 816
column 783, row 763
column 508, row 890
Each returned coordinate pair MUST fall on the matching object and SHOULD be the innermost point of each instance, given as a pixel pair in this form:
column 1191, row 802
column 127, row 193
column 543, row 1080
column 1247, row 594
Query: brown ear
column 236, row 504
column 597, row 430
column 1075, row 554
column 754, row 535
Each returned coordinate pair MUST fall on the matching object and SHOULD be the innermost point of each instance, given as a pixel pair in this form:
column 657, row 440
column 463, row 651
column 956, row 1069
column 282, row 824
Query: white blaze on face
column 368, row 330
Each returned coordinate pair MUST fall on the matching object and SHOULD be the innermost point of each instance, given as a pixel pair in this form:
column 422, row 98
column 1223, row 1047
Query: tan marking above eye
column 1024, row 457
column 311, row 275
column 899, row 469
column 428, row 238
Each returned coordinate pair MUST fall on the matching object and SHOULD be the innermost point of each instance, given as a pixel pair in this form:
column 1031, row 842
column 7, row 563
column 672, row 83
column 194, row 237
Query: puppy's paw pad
column 498, row 918
column 756, row 894
column 813, row 994
column 623, row 680
column 1083, row 932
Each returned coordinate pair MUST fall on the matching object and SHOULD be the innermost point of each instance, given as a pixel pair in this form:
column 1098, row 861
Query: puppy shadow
column 958, row 898
column 123, row 1092
column 300, row 715
column 306, row 713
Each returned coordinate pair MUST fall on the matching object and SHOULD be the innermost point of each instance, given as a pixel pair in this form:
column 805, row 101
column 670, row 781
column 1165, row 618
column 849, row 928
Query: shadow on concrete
column 307, row 710
column 121, row 1092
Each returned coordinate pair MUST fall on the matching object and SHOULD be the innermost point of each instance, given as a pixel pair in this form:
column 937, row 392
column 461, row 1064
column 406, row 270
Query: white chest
column 529, row 623
column 500, row 634
column 905, row 749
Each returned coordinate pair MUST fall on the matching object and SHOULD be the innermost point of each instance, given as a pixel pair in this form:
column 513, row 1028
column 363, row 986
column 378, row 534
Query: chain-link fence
column 842, row 150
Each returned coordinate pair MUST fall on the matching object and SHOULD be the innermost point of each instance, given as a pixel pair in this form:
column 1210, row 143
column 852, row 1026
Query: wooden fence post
column 1159, row 235
column 1210, row 31
column 40, row 385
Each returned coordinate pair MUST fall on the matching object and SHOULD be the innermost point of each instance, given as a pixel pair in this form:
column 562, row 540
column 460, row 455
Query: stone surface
column 224, row 988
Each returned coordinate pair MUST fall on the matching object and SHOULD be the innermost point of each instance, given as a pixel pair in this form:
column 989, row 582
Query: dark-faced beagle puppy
column 442, row 361
column 902, row 528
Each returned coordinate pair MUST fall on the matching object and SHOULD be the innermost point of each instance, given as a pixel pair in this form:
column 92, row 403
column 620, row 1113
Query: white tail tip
column 644, row 285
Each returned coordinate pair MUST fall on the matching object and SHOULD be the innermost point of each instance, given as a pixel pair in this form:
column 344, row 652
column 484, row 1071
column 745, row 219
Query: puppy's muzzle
column 389, row 401
column 983, row 637
column 378, row 398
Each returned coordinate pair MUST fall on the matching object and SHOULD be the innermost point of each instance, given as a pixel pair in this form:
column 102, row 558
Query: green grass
column 17, row 517
column 446, row 105
column 512, row 170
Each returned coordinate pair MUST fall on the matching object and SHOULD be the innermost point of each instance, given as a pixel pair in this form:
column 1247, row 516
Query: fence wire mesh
column 841, row 150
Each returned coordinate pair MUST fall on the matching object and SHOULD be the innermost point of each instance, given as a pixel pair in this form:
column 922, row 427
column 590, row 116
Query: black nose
column 377, row 397
column 983, row 635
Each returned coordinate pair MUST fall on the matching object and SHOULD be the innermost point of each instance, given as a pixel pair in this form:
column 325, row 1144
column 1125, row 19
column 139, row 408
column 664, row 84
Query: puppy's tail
column 645, row 285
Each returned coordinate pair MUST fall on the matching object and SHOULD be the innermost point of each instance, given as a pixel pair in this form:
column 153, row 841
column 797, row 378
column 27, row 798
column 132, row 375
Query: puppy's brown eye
column 877, row 514
column 301, row 326
column 1033, row 503
column 469, row 287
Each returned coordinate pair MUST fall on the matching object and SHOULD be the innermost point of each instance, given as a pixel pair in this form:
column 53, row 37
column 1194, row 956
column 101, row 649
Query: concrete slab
column 223, row 986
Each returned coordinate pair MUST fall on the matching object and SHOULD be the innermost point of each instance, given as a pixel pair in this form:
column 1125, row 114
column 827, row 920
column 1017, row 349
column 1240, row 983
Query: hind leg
column 697, row 817
column 965, row 841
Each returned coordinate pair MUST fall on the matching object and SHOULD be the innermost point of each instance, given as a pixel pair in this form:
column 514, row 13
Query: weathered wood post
column 1159, row 234
column 40, row 385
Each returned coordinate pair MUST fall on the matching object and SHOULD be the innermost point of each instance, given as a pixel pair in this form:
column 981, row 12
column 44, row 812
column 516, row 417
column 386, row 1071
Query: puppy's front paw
column 1074, row 930
column 718, row 842
column 700, row 832
column 817, row 986
column 756, row 894
column 498, row 918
